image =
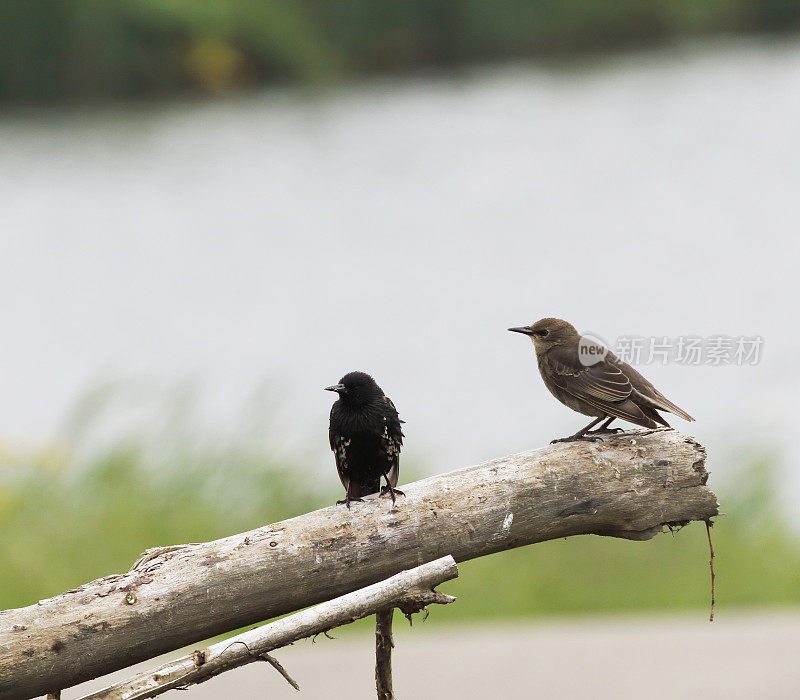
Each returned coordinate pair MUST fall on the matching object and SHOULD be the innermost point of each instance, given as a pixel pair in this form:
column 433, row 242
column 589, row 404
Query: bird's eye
column 544, row 333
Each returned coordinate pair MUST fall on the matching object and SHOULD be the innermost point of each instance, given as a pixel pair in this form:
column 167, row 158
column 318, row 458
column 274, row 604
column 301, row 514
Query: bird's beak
column 522, row 329
column 335, row 387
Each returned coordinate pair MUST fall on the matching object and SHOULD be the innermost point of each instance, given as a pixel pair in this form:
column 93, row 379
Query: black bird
column 592, row 380
column 365, row 437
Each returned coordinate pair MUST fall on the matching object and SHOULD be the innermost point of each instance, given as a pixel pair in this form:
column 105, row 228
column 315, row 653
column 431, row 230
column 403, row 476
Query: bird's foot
column 577, row 438
column 347, row 501
column 391, row 491
column 607, row 431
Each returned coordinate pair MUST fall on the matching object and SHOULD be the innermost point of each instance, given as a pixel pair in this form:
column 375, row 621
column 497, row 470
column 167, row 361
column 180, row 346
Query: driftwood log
column 410, row 590
column 630, row 485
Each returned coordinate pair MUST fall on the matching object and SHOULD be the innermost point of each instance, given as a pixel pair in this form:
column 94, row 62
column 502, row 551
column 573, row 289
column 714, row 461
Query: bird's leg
column 605, row 429
column 581, row 434
column 390, row 489
column 347, row 499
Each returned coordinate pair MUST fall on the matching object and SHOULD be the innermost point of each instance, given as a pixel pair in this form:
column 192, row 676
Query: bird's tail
column 660, row 401
column 364, row 487
column 655, row 416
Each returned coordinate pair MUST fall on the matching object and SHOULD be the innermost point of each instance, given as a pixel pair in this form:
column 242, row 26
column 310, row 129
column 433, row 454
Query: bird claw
column 347, row 501
column 577, row 438
column 391, row 491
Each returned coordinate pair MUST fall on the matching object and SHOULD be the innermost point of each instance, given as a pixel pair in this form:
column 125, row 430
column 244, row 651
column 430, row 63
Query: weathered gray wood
column 410, row 590
column 629, row 486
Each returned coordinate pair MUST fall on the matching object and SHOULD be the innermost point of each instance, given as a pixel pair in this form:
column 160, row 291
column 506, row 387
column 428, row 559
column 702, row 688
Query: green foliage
column 64, row 49
column 72, row 49
column 64, row 527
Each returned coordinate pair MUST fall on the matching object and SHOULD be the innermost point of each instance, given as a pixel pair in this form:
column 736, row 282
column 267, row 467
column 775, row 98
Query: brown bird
column 592, row 380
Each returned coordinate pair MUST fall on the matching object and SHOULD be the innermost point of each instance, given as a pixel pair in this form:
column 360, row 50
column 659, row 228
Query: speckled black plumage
column 365, row 436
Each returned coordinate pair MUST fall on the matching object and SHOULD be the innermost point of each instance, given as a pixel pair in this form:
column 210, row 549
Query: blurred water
column 400, row 228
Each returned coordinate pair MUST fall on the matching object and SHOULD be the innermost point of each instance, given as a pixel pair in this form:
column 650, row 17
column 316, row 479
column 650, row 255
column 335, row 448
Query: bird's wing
column 602, row 385
column 392, row 439
column 339, row 447
column 340, row 455
column 662, row 402
column 645, row 391
column 601, row 381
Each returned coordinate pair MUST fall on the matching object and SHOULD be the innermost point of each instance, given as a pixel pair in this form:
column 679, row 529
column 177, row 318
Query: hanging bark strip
column 709, row 524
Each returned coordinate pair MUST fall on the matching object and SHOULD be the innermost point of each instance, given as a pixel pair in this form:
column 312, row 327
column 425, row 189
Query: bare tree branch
column 631, row 485
column 384, row 643
column 280, row 669
column 408, row 588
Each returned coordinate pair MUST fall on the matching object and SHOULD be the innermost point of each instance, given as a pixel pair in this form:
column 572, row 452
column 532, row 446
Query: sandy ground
column 738, row 656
